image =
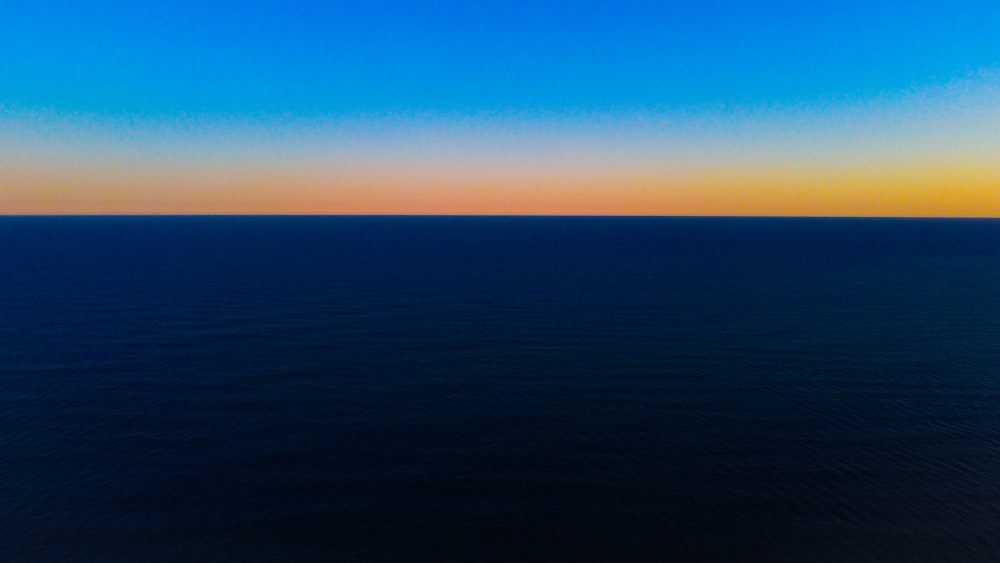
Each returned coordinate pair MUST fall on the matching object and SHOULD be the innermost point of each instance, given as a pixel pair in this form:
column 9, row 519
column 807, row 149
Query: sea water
column 499, row 388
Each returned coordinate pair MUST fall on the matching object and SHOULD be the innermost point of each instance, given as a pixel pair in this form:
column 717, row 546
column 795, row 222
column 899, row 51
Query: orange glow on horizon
column 927, row 153
column 918, row 190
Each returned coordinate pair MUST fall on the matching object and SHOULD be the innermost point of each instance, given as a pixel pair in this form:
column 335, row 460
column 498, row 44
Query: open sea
column 499, row 389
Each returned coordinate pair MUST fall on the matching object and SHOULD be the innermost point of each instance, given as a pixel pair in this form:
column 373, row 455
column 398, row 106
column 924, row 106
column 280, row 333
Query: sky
column 591, row 107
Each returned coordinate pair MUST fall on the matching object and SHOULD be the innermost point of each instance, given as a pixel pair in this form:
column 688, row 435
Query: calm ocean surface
column 479, row 389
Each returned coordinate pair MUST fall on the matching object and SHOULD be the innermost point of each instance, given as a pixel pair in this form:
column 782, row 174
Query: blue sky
column 337, row 58
column 589, row 107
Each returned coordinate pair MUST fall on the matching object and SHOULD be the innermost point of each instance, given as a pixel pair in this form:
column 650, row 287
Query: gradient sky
column 648, row 108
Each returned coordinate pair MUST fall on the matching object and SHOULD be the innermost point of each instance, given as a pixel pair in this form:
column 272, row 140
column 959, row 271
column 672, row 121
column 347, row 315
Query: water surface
column 430, row 388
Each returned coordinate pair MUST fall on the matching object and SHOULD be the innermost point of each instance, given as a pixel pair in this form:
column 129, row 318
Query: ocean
column 499, row 389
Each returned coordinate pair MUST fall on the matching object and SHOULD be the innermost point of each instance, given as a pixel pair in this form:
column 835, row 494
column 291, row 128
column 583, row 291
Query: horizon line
column 488, row 215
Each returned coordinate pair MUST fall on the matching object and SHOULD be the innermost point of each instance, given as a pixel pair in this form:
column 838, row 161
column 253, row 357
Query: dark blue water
column 477, row 389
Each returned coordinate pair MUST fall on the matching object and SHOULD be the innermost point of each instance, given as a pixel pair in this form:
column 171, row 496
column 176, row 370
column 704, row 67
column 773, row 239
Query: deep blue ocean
column 499, row 389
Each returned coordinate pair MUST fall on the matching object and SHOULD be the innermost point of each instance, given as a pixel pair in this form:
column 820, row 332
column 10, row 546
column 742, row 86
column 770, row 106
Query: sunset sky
column 383, row 107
